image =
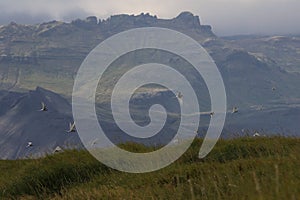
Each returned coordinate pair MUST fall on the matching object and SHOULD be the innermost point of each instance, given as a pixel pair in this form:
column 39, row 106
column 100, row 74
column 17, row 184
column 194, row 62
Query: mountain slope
column 22, row 122
column 284, row 50
column 49, row 55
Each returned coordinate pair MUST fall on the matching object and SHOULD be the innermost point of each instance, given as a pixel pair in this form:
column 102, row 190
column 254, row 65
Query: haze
column 227, row 17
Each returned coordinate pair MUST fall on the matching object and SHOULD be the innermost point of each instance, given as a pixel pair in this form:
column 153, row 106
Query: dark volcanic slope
column 21, row 122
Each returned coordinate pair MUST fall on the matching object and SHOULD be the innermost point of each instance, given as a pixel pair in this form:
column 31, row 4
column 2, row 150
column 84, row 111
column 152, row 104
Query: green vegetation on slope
column 245, row 168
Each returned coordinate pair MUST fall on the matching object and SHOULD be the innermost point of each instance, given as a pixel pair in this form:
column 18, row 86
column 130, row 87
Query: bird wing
column 72, row 126
column 43, row 106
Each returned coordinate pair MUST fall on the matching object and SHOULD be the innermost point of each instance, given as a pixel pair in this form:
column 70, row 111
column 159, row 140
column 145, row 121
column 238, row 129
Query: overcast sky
column 227, row 17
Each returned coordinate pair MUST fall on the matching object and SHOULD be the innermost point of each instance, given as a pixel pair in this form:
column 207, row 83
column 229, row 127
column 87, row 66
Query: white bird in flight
column 44, row 108
column 179, row 95
column 235, row 110
column 256, row 134
column 94, row 142
column 29, row 144
column 57, row 149
column 72, row 127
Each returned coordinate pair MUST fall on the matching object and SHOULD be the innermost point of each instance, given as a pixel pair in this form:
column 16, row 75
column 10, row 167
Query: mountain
column 21, row 122
column 49, row 54
column 260, row 73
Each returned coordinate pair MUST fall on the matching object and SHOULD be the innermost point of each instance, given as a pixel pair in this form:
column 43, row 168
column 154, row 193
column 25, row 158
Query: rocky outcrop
column 89, row 23
column 188, row 19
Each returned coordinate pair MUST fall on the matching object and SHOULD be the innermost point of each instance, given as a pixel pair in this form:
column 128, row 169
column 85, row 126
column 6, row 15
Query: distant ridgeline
column 185, row 20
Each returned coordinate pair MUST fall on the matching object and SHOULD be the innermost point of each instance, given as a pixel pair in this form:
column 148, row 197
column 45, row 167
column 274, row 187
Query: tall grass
column 245, row 168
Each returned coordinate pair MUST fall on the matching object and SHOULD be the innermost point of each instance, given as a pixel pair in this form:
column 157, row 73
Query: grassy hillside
column 245, row 168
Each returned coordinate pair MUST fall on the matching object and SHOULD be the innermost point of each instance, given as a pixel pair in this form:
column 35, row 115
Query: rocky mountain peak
column 189, row 19
column 92, row 20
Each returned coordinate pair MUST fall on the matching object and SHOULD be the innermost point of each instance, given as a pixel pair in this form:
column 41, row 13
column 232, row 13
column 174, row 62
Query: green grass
column 244, row 168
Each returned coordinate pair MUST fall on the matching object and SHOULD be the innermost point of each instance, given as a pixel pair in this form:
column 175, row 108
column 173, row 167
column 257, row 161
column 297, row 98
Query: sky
column 227, row 17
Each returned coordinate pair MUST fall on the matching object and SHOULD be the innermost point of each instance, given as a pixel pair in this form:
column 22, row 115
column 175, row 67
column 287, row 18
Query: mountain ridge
column 49, row 54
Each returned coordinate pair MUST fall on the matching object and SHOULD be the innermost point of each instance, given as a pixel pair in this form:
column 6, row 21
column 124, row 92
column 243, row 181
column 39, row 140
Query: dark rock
column 88, row 23
column 92, row 20
column 189, row 19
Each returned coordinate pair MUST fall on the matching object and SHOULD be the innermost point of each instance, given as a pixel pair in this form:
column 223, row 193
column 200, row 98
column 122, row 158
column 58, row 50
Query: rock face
column 188, row 19
column 92, row 20
column 88, row 23
column 22, row 122
column 185, row 22
column 56, row 49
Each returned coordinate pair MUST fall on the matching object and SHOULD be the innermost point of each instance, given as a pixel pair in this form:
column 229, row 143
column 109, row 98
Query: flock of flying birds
column 72, row 127
column 235, row 109
column 179, row 96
